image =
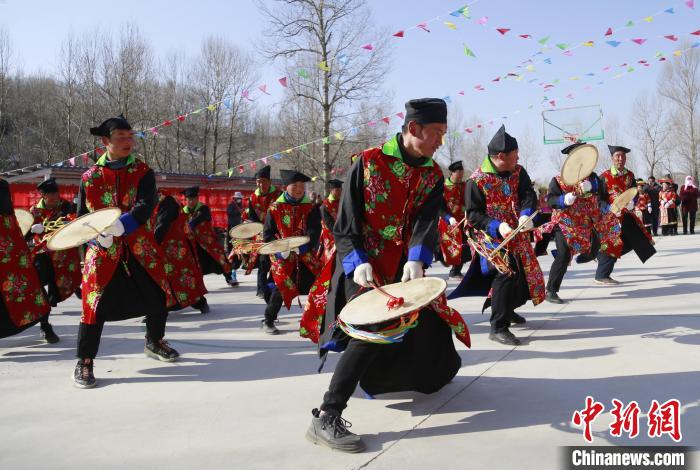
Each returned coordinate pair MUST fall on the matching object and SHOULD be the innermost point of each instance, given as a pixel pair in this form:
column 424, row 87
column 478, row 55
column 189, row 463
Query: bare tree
column 650, row 130
column 679, row 83
column 324, row 39
column 6, row 57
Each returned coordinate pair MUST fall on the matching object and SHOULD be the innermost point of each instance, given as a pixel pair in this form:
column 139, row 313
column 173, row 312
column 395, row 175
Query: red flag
column 283, row 81
column 99, row 151
column 398, row 34
column 525, row 36
column 167, row 123
column 386, row 120
column 468, row 129
column 400, row 115
column 639, row 41
column 252, row 165
column 181, row 117
column 241, row 169
column 672, row 37
column 608, row 32
column 369, row 47
column 696, row 33
column 497, row 79
column 553, row 103
column 85, row 159
column 503, row 31
column 461, row 92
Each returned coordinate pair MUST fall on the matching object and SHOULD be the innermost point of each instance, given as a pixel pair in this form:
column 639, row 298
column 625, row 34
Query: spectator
column 689, row 204
column 653, row 188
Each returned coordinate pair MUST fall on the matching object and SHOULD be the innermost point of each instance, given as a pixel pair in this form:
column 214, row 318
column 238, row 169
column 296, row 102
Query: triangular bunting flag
column 303, row 73
column 669, row 10
column 264, row 160
column 544, row 40
column 326, row 140
column 423, row 26
column 398, row 34
column 503, row 31
column 468, row 52
column 629, row 23
column 525, row 36
column 368, row 47
column 690, row 4
column 339, row 136
column 253, row 166
column 263, row 88
column 672, row 37
column 450, row 25
column 589, row 43
column 649, row 19
column 71, row 161
column 283, row 81
column 400, row 115
column 562, row 46
column 211, row 107
column 482, row 20
column 696, row 33
column 324, row 66
column 639, row 41
column 609, row 32
column 460, row 92
column 613, row 43
column 230, row 172
column 386, row 120
column 181, row 117
column 241, row 169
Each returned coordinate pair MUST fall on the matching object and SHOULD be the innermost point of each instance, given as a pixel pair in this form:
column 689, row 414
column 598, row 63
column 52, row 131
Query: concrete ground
column 241, row 399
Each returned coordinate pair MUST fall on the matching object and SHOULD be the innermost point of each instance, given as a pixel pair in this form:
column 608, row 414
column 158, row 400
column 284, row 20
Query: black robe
column 208, row 264
column 426, row 359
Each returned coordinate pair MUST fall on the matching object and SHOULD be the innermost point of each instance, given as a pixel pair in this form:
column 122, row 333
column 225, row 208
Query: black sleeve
column 554, row 195
column 82, row 204
column 203, row 215
column 5, row 198
column 476, row 210
column 168, row 211
column 252, row 215
column 444, row 211
column 347, row 229
column 66, row 208
column 603, row 195
column 145, row 198
column 526, row 192
column 269, row 228
column 313, row 226
column 327, row 217
column 424, row 235
column 233, row 215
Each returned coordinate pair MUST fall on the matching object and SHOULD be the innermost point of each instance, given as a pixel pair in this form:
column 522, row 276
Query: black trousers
column 89, row 335
column 606, row 264
column 264, row 265
column 273, row 297
column 655, row 220
column 688, row 220
column 509, row 293
column 560, row 264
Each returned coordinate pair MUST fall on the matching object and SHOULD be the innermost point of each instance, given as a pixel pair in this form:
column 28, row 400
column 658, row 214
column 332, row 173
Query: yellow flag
column 530, row 68
column 450, row 25
column 314, row 178
column 288, row 151
column 677, row 53
column 588, row 43
column 648, row 19
column 324, row 66
column 211, row 107
column 338, row 136
column 573, row 78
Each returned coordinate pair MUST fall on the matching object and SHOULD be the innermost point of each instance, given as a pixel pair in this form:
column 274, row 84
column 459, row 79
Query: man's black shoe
column 553, row 297
column 160, row 350
column 516, row 319
column 504, row 337
column 330, row 430
column 82, row 375
column 202, row 305
column 47, row 333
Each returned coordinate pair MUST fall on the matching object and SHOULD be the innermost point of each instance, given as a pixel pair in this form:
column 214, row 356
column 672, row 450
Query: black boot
column 505, row 337
column 160, row 350
column 553, row 297
column 47, row 333
column 82, row 375
column 330, row 430
column 516, row 319
column 202, row 305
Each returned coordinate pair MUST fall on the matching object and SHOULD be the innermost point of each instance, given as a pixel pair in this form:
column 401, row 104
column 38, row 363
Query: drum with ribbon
column 25, row 219
column 83, row 229
column 579, row 164
column 282, row 245
column 385, row 314
column 246, row 230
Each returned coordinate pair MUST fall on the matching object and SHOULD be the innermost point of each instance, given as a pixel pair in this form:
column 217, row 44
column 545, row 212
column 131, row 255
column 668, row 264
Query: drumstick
column 393, row 302
column 458, row 224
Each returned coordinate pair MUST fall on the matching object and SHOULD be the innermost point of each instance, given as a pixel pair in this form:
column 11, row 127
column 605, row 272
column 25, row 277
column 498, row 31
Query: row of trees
column 44, row 118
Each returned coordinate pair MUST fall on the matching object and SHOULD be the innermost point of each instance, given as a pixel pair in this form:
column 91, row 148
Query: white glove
column 585, row 186
column 363, row 275
column 116, row 229
column 569, row 198
column 284, row 254
column 649, row 208
column 412, row 270
column 37, row 228
column 504, row 229
column 529, row 225
column 105, row 240
column 630, row 206
column 453, row 221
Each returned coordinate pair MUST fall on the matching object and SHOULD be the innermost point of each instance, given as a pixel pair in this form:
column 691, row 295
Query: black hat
column 455, row 166
column 567, row 150
column 502, row 142
column 335, row 183
column 48, row 186
column 293, row 176
column 191, row 192
column 615, row 148
column 105, row 129
column 263, row 172
column 426, row 111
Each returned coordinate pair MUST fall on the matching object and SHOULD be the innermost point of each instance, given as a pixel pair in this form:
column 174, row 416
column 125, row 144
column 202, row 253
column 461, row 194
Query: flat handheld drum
column 25, row 219
column 622, row 200
column 246, row 230
column 83, row 229
column 282, row 245
column 579, row 164
column 369, row 318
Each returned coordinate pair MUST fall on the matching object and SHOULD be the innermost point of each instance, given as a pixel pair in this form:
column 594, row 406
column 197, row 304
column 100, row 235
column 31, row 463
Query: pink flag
column 423, row 26
column 400, row 115
column 606, row 68
column 372, row 123
column 252, row 165
column 497, row 79
column 283, row 81
column 482, row 20
column 525, row 36
column 398, row 34
column 570, row 96
column 369, row 47
column 153, row 130
column 690, row 4
column 71, row 161
column 468, row 129
column 246, row 95
column 609, row 32
column 461, row 92
column 263, row 88
column 569, row 53
column 264, row 160
column 86, row 159
column 479, row 88
column 553, row 103
column 639, row 41
column 503, row 31
column 672, row 37
column 386, row 120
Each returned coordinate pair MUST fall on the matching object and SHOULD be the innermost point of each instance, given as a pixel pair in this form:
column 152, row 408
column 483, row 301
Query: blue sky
column 424, row 64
